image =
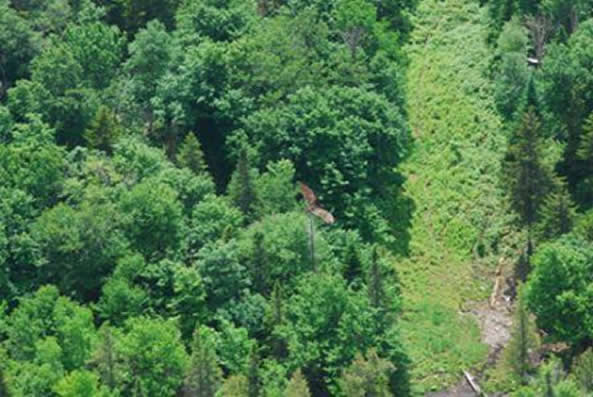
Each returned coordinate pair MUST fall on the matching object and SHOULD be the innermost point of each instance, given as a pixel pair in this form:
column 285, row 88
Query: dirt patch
column 495, row 323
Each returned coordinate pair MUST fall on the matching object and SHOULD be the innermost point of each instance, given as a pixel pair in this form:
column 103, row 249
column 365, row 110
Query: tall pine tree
column 104, row 130
column 523, row 340
column 254, row 381
column 204, row 377
column 190, row 154
column 297, row 386
column 242, row 188
column 528, row 177
column 557, row 214
column 375, row 281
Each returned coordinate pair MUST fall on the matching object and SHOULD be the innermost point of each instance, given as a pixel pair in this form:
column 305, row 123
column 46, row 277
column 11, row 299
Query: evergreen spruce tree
column 104, row 357
column 204, row 376
column 259, row 271
column 528, row 177
column 104, row 130
column 276, row 314
column 523, row 340
column 353, row 270
column 297, row 386
column 585, row 151
column 375, row 281
column 190, row 154
column 556, row 215
column 254, row 382
column 275, row 318
column 367, row 376
column 241, row 188
column 531, row 97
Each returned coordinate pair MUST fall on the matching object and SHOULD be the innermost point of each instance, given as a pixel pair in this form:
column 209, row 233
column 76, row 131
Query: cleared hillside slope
column 453, row 180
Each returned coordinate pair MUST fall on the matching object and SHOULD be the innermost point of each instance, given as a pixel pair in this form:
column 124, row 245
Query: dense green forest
column 156, row 238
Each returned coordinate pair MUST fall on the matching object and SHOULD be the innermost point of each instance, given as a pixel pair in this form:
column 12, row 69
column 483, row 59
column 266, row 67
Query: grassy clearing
column 452, row 178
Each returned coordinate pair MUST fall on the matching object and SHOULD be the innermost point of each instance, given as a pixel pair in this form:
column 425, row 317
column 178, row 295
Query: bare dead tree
column 353, row 37
column 540, row 29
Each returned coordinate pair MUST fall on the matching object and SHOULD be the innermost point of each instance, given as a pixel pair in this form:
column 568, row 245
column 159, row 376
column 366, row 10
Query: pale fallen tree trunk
column 470, row 380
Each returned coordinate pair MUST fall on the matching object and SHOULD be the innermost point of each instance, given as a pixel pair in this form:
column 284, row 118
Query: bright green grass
column 452, row 178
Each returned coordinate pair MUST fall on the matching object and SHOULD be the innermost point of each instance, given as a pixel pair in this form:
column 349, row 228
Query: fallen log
column 470, row 380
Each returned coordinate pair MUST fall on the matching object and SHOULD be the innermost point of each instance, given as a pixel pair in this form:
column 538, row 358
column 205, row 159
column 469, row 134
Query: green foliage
column 234, row 386
column 277, row 249
column 583, row 370
column 103, row 131
column 459, row 221
column 152, row 353
column 152, row 219
column 204, row 376
column 254, row 381
column 105, row 194
column 132, row 15
column 80, row 383
column 367, row 375
column 528, row 176
column 212, row 219
column 19, row 45
column 150, row 54
column 98, row 49
column 524, row 340
column 550, row 381
column 46, row 336
column 218, row 20
column 511, row 80
column 32, row 162
column 225, row 278
column 241, row 187
column 336, row 147
column 297, row 387
column 83, row 242
column 275, row 189
column 557, row 214
column 190, row 154
column 567, row 84
column 558, row 290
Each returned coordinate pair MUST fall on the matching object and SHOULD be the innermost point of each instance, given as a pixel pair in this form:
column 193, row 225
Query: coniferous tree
column 527, row 175
column 242, row 189
column 353, row 270
column 254, row 381
column 204, row 377
column 104, row 130
column 556, row 215
column 531, row 96
column 523, row 340
column 259, row 271
column 275, row 318
column 585, row 151
column 104, row 357
column 375, row 280
column 297, row 387
column 367, row 376
column 190, row 154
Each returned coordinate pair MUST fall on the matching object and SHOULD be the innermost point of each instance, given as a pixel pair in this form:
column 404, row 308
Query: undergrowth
column 459, row 223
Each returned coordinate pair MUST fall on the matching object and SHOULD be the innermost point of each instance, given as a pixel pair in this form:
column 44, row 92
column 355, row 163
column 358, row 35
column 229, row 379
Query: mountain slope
column 452, row 179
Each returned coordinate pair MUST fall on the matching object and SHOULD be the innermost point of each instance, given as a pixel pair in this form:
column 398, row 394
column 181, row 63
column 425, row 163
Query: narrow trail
column 452, row 179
